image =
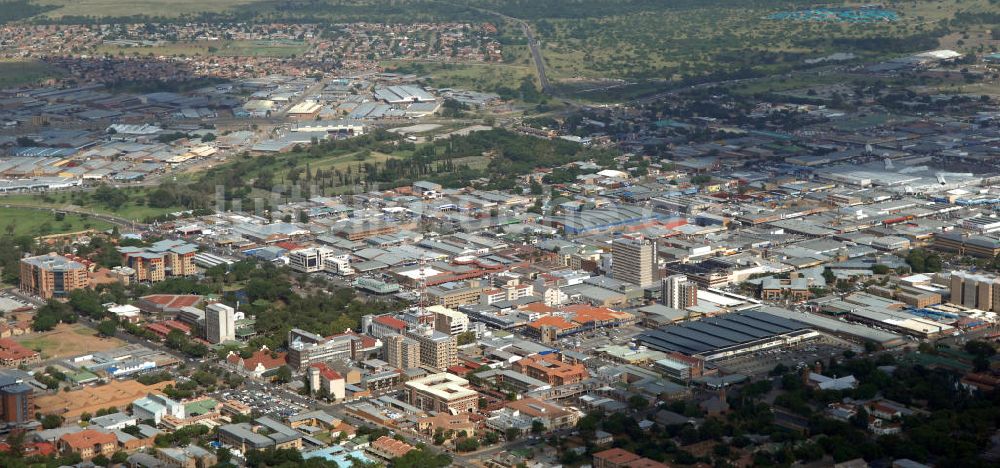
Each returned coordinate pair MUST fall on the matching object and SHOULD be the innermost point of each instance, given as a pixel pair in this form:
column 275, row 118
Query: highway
column 536, row 54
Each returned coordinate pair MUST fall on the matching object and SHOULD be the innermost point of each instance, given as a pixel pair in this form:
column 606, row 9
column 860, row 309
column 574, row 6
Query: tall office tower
column 220, row 323
column 679, row 292
column 633, row 260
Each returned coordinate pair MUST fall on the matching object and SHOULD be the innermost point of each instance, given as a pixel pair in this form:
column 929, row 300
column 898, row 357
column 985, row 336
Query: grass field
column 135, row 209
column 221, row 48
column 487, row 77
column 38, row 222
column 163, row 8
column 67, row 340
column 24, row 72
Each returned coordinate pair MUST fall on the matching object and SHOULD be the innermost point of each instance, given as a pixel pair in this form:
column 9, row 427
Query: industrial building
column 728, row 335
column 403, row 94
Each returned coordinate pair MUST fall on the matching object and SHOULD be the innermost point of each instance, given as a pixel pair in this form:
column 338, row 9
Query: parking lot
column 805, row 354
column 264, row 402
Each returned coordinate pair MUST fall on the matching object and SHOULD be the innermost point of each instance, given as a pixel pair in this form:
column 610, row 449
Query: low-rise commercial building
column 443, row 393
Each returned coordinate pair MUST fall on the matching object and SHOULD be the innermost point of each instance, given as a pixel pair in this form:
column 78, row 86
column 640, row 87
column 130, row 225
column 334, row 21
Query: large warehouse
column 728, row 335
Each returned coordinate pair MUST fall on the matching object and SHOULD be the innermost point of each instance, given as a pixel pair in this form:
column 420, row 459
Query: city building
column 455, row 294
column 975, row 291
column 17, row 403
column 634, row 260
column 402, row 352
column 678, row 292
column 52, row 275
column 386, row 448
column 264, row 433
column 155, row 407
column 621, row 458
column 449, row 321
column 437, row 350
column 12, row 354
column 442, row 393
column 551, row 368
column 383, row 325
column 261, row 363
column 160, row 260
column 220, row 323
column 88, row 443
column 305, row 348
column 316, row 259
column 323, row 379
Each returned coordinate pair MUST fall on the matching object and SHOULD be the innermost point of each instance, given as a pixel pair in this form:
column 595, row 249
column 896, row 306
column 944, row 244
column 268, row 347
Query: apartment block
column 52, row 275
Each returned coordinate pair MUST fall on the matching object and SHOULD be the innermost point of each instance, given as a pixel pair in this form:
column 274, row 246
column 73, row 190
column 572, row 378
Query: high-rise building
column 975, row 291
column 402, row 352
column 220, row 323
column 449, row 321
column 633, row 260
column 305, row 348
column 52, row 275
column 437, row 350
column 160, row 260
column 679, row 292
column 16, row 400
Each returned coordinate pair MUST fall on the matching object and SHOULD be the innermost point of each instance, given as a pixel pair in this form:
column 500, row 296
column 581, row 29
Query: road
column 536, row 54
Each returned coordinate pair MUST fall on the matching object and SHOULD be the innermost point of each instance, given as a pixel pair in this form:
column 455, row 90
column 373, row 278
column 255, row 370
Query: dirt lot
column 67, row 340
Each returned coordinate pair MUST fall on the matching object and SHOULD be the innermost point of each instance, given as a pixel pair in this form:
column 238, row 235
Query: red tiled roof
column 617, row 456
column 88, row 438
column 10, row 349
column 552, row 321
column 391, row 322
column 392, row 446
column 262, row 357
column 326, row 372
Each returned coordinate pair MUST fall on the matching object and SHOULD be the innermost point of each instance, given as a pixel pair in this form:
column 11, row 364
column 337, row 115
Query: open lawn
column 25, row 221
column 221, row 48
column 24, row 72
column 67, row 340
column 118, row 8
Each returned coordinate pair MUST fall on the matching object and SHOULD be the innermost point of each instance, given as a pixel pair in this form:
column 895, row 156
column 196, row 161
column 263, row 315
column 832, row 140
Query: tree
column 466, row 338
column 120, row 457
column 284, row 375
column 51, row 421
column 467, row 444
column 638, row 402
column 537, row 427
column 512, row 433
column 107, row 328
column 100, row 460
column 421, row 458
